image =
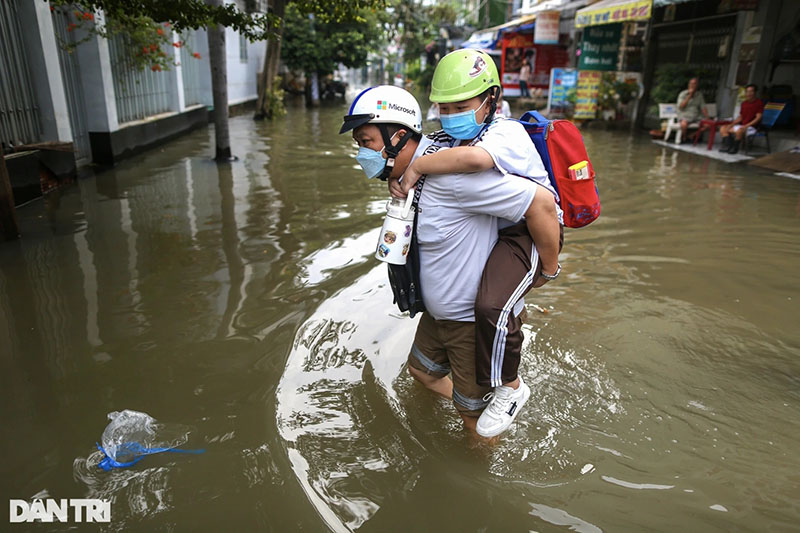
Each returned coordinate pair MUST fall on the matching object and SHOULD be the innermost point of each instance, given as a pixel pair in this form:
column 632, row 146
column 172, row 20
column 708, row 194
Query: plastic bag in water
column 132, row 435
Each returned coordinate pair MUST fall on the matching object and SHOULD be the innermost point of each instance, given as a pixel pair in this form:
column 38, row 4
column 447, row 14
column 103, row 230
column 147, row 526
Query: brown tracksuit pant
column 512, row 269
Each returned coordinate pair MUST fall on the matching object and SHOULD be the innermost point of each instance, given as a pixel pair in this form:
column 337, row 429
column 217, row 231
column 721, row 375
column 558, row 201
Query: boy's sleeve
column 512, row 150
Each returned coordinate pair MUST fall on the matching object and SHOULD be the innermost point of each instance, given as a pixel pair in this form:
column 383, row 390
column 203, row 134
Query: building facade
column 94, row 98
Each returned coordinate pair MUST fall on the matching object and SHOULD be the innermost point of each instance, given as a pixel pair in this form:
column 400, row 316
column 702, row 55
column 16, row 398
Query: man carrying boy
column 457, row 229
column 466, row 86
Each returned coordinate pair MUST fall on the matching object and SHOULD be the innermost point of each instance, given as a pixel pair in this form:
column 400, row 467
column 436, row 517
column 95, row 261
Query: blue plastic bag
column 131, row 435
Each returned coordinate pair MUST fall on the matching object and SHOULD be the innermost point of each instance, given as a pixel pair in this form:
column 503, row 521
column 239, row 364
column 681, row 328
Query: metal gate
column 696, row 43
column 139, row 93
column 19, row 114
column 190, row 70
column 71, row 76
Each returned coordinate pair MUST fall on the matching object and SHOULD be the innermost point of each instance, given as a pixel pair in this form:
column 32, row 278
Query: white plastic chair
column 674, row 124
column 670, row 113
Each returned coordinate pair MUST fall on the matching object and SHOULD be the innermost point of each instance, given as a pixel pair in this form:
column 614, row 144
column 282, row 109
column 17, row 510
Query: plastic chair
column 670, row 113
column 771, row 113
column 673, row 124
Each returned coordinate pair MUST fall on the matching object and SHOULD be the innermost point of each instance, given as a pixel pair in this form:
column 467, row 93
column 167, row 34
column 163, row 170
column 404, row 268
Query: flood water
column 243, row 301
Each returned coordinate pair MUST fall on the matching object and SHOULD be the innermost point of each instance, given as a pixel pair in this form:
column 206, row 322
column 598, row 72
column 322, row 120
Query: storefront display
column 519, row 48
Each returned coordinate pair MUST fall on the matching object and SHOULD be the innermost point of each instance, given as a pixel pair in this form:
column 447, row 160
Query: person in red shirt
column 745, row 124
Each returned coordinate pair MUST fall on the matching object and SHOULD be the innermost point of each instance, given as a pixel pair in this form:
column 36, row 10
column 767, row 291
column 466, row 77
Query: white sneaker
column 503, row 408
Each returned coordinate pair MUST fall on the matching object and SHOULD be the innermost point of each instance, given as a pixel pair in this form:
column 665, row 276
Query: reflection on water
column 333, row 389
column 243, row 300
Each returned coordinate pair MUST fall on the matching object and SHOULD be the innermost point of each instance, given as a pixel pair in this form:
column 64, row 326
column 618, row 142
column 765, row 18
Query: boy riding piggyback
column 466, row 87
column 482, row 288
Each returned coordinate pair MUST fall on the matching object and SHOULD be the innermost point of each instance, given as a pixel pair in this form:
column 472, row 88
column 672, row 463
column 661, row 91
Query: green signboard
column 600, row 47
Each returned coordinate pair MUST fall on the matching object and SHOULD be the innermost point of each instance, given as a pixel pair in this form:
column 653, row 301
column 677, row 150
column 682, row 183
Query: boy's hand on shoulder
column 410, row 177
column 395, row 188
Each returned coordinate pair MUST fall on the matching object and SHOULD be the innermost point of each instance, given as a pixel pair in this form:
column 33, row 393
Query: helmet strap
column 493, row 106
column 391, row 151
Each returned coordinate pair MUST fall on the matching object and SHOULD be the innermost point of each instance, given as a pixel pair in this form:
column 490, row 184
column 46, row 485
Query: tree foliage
column 319, row 45
column 419, row 28
column 147, row 23
column 181, row 14
column 672, row 78
column 416, row 25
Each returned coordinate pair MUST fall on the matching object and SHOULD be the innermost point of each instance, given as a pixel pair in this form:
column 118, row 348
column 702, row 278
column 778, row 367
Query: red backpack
column 560, row 145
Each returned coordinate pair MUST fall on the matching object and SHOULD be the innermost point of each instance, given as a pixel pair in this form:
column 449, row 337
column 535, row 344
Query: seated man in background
column 745, row 124
column 691, row 107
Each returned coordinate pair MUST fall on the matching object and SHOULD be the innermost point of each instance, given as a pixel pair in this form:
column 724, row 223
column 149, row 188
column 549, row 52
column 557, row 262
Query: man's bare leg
column 442, row 386
column 470, row 422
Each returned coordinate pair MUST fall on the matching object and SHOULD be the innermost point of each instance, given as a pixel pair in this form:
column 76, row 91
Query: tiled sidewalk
column 701, row 149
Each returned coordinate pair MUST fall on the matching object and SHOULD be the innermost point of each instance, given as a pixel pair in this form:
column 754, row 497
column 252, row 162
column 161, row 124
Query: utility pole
column 9, row 229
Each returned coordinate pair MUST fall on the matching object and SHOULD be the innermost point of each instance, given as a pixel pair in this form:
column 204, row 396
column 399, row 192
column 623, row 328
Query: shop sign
column 588, row 87
column 618, row 12
column 563, row 82
column 546, row 29
column 600, row 47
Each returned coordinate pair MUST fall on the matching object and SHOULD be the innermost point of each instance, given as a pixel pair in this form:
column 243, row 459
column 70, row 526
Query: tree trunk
column 272, row 61
column 219, row 88
column 9, row 229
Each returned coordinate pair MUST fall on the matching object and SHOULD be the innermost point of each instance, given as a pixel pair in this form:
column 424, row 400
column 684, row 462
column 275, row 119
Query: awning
column 610, row 11
column 481, row 40
column 662, row 3
column 553, row 5
column 520, row 23
column 488, row 38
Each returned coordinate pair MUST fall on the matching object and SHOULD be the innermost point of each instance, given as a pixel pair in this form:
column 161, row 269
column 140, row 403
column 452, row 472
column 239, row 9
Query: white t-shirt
column 512, row 151
column 457, row 228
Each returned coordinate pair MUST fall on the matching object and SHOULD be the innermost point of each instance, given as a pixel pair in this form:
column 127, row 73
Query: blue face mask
column 463, row 125
column 371, row 161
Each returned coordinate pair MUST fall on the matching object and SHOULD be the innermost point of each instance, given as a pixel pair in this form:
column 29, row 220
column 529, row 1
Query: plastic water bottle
column 395, row 237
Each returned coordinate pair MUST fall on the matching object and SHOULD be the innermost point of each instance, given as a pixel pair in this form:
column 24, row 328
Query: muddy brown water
column 244, row 301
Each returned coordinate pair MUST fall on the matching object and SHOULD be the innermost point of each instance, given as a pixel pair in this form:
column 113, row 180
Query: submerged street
column 245, row 301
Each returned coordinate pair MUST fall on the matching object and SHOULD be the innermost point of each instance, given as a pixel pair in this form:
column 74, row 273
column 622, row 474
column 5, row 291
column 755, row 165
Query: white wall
column 243, row 74
column 45, row 71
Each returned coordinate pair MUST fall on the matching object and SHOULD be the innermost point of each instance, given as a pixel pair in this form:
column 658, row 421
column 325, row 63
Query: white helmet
column 384, row 104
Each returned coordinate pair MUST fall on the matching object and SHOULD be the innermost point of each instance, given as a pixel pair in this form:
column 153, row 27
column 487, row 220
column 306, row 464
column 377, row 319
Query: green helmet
column 462, row 75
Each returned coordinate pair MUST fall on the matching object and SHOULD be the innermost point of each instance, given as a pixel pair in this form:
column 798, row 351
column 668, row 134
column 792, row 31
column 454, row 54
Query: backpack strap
column 418, row 192
column 535, row 115
column 415, row 292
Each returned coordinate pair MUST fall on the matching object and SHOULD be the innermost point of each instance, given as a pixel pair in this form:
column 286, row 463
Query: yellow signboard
column 588, row 87
column 611, row 11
